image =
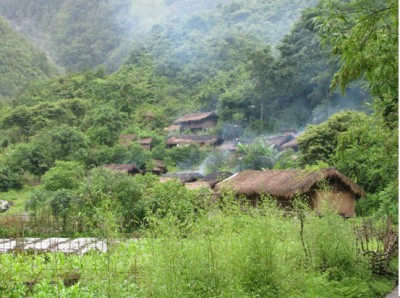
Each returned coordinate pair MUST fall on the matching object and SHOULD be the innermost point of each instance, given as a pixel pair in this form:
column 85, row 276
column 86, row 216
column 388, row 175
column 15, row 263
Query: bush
column 64, row 175
column 9, row 179
column 185, row 157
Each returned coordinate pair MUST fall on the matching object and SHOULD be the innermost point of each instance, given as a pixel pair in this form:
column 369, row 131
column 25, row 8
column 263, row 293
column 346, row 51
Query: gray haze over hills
column 84, row 34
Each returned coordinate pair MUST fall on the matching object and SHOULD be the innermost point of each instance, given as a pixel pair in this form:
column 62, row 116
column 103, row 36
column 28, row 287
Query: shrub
column 64, row 175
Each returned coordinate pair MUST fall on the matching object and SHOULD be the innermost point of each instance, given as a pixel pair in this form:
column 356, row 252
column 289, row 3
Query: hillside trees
column 365, row 35
column 20, row 62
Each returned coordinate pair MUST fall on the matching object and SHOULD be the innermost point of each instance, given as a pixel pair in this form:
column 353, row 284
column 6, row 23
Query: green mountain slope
column 20, row 62
column 84, row 34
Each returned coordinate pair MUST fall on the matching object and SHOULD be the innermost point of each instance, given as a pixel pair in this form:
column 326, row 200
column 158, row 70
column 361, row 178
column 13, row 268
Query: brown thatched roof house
column 286, row 184
column 174, row 128
column 278, row 141
column 198, row 121
column 146, row 143
column 201, row 140
column 130, row 169
column 290, row 145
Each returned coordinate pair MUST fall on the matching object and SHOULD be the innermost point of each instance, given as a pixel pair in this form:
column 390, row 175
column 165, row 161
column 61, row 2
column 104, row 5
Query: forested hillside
column 85, row 34
column 210, row 61
column 20, row 62
column 152, row 104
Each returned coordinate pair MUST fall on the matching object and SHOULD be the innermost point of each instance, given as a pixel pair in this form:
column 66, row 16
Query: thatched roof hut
column 130, row 169
column 293, row 144
column 146, row 143
column 286, row 184
column 278, row 141
column 173, row 128
column 197, row 117
column 198, row 121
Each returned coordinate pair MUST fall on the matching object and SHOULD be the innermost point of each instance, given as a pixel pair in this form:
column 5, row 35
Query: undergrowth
column 224, row 251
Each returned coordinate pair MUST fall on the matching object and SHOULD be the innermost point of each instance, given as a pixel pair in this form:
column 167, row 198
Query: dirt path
column 394, row 294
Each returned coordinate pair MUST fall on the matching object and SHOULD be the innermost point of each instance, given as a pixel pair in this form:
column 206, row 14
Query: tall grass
column 256, row 253
column 231, row 250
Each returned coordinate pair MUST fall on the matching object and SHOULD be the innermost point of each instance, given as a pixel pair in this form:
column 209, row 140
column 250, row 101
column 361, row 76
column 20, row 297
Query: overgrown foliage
column 365, row 35
column 217, row 251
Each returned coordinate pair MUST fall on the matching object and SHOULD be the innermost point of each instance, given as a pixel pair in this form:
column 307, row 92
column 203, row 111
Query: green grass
column 17, row 198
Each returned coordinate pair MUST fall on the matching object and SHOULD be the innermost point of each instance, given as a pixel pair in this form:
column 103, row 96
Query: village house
column 146, row 143
column 278, row 141
column 341, row 193
column 194, row 122
column 290, row 145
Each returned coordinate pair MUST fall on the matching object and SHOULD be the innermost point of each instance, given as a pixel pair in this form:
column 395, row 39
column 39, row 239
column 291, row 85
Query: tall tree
column 365, row 35
column 262, row 68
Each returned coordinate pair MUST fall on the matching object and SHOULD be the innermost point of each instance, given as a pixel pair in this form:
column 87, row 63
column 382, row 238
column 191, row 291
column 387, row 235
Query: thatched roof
column 173, row 127
column 279, row 140
column 291, row 144
column 193, row 139
column 213, row 178
column 285, row 183
column 194, row 117
column 123, row 168
column 145, row 141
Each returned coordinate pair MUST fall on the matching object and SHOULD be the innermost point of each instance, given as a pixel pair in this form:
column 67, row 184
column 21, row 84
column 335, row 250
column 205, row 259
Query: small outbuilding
column 327, row 185
column 278, row 141
column 146, row 143
column 293, row 144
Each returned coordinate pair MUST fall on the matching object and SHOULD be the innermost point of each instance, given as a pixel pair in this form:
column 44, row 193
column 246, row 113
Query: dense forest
column 77, row 75
column 21, row 62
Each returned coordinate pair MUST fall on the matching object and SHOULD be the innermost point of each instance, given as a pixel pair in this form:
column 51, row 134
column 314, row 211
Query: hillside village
column 210, row 148
column 198, row 129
